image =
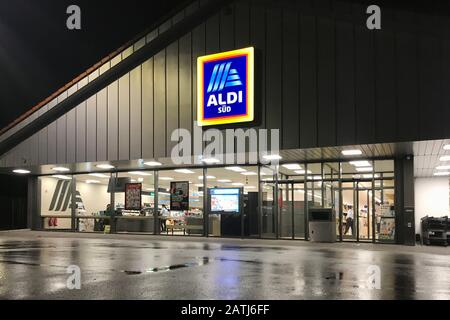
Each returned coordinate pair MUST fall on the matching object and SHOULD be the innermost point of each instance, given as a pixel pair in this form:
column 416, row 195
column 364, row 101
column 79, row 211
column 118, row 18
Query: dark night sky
column 38, row 54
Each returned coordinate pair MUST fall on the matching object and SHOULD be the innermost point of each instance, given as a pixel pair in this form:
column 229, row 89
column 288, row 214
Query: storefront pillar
column 34, row 221
column 404, row 200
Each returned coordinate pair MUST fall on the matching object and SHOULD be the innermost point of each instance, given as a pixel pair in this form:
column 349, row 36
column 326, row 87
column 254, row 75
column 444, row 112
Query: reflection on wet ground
column 155, row 268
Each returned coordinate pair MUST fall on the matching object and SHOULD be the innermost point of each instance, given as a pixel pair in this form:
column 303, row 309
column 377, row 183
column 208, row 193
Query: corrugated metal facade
column 326, row 81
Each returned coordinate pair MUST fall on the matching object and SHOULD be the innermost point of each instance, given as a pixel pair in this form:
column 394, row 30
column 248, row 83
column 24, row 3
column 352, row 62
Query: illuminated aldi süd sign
column 225, row 87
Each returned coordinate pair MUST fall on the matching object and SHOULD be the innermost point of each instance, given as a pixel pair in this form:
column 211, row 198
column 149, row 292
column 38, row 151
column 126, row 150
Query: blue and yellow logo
column 225, row 87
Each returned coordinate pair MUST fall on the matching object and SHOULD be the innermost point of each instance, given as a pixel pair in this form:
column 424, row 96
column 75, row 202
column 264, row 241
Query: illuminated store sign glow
column 225, row 87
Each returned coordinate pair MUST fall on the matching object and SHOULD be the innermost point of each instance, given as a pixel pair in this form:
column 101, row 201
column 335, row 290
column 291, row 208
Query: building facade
column 322, row 78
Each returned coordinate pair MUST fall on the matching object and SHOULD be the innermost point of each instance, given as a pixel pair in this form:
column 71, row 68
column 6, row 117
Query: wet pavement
column 33, row 265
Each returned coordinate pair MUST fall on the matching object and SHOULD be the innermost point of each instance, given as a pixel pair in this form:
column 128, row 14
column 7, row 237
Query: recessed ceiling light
column 443, row 167
column 199, row 184
column 249, row 173
column 447, row 147
column 237, row 184
column 442, row 173
column 236, row 169
column 92, row 181
column 140, row 179
column 364, row 169
column 165, row 178
column 61, row 169
column 62, row 177
column 368, row 176
column 21, row 171
column 249, row 187
column 105, row 166
column 210, row 160
column 292, row 166
column 351, row 152
column 149, row 189
column 140, row 173
column 187, row 171
column 223, row 180
column 444, row 158
column 209, row 177
column 302, row 171
column 272, row 157
column 362, row 163
column 153, row 163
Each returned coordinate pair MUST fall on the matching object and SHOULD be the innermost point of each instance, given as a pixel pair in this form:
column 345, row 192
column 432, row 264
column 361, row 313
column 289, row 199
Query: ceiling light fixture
column 442, row 173
column 272, row 157
column 443, row 167
column 186, row 171
column 223, row 180
column 165, row 178
column 153, row 163
column 362, row 163
column 249, row 173
column 447, row 147
column 351, row 152
column 105, row 166
column 92, row 181
column 364, row 169
column 444, row 158
column 61, row 169
column 292, row 166
column 139, row 173
column 210, row 160
column 21, row 171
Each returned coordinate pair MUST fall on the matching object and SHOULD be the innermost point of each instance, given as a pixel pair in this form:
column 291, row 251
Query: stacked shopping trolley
column 435, row 230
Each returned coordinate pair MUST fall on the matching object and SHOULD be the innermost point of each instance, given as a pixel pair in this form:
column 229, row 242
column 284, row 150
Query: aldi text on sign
column 225, row 87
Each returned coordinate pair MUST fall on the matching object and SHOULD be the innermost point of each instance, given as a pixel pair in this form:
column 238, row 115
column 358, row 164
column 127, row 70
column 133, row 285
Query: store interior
column 350, row 188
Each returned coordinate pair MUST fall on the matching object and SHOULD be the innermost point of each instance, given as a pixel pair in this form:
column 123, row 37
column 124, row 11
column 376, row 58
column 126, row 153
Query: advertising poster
column 133, row 196
column 179, row 195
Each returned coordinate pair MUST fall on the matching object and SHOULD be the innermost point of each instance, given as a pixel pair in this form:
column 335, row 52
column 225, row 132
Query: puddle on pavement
column 202, row 262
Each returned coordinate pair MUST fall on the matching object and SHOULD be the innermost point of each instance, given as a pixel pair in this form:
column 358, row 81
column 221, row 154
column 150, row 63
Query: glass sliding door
column 268, row 187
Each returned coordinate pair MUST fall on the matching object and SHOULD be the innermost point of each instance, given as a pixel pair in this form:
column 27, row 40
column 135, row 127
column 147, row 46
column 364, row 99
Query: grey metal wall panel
column 407, row 79
column 308, row 81
column 159, row 65
column 113, row 121
column 172, row 94
column 185, row 82
column 81, row 132
column 198, row 49
column 290, row 127
column 102, row 125
column 445, row 72
column 52, row 138
column 258, row 39
column 273, row 68
column 345, row 76
column 34, row 146
column 364, row 79
column 326, row 106
column 430, row 87
column 91, row 129
column 226, row 28
column 71, row 130
column 135, row 113
column 385, row 88
column 61, row 134
column 124, row 117
column 43, row 139
column 147, row 109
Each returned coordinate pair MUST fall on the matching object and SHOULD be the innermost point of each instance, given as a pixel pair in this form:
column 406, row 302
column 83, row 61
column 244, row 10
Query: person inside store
column 164, row 214
column 349, row 220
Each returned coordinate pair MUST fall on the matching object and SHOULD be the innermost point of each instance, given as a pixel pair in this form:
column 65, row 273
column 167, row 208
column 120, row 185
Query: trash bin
column 322, row 225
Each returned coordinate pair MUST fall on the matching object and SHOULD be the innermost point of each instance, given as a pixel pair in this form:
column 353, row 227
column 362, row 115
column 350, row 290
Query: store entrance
column 291, row 201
